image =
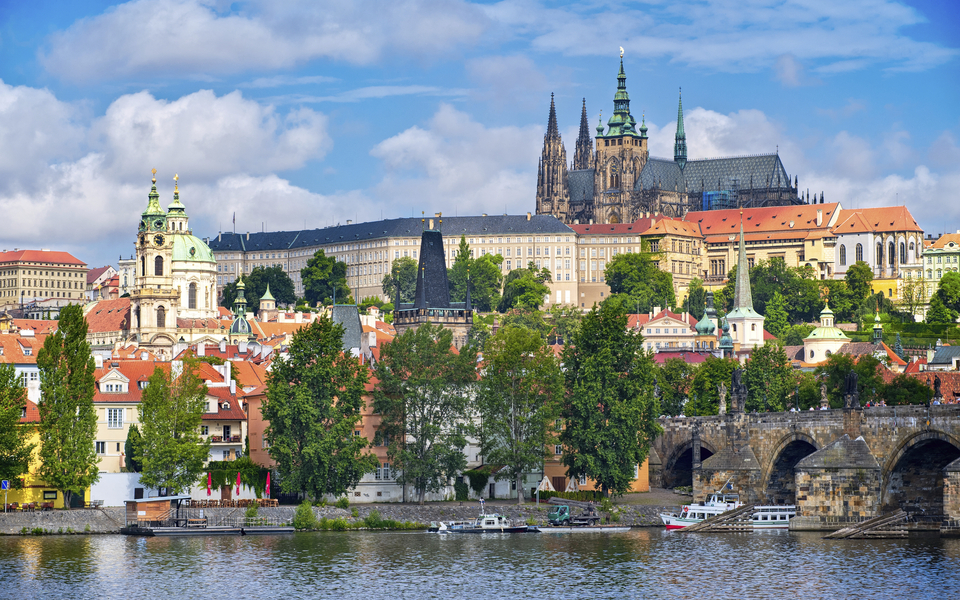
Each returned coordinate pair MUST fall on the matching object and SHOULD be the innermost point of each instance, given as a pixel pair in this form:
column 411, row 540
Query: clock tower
column 154, row 302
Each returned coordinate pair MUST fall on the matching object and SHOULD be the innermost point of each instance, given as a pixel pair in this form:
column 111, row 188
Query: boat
column 484, row 523
column 761, row 518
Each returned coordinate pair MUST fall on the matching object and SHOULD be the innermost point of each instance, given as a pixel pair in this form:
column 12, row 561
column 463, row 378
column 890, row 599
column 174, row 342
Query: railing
column 225, row 439
column 196, row 517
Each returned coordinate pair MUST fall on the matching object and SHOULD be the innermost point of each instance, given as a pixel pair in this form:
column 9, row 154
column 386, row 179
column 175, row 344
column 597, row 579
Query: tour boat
column 763, row 517
column 485, row 523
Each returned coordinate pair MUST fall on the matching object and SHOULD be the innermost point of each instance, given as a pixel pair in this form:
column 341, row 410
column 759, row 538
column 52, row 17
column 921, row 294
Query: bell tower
column 553, row 195
column 154, row 301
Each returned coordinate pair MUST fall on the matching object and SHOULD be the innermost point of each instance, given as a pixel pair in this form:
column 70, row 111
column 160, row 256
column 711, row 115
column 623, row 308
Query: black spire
column 583, row 157
column 680, row 141
column 552, row 130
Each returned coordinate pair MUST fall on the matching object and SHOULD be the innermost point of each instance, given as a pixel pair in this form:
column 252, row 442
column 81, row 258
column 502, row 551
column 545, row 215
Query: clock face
column 158, row 240
column 158, row 224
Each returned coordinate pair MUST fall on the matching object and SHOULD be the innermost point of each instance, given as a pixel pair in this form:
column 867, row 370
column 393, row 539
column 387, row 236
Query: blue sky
column 307, row 113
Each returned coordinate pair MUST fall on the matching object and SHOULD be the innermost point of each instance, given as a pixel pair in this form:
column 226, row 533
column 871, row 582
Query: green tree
column 458, row 273
column 609, row 412
column 68, row 420
column 132, row 449
column 486, row 280
column 325, row 280
column 527, row 318
column 564, row 321
column 913, row 294
column 696, row 301
column 404, row 272
column 423, row 394
column 281, row 288
column 939, row 313
column 172, row 452
column 793, row 335
column 775, row 319
column 904, row 389
column 858, row 278
column 637, row 275
column 525, row 288
column 809, row 389
column 704, row 394
column 314, row 403
column 949, row 290
column 834, row 372
column 15, row 451
column 769, row 379
column 675, row 378
column 517, row 398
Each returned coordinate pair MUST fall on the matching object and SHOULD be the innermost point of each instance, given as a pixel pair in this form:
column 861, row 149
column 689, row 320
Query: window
column 114, row 418
column 558, row 449
column 161, row 317
column 204, row 430
column 226, row 432
column 192, row 295
column 859, row 252
column 226, row 455
column 843, row 255
column 903, row 253
column 101, row 447
column 158, row 266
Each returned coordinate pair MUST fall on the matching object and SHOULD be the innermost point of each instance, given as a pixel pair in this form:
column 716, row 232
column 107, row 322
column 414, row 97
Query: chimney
column 819, row 217
column 144, row 355
column 233, row 384
column 227, row 367
column 248, row 236
column 242, row 346
column 656, row 310
column 528, row 216
column 201, row 349
column 430, row 224
column 219, row 236
column 349, row 221
column 223, row 346
column 98, row 361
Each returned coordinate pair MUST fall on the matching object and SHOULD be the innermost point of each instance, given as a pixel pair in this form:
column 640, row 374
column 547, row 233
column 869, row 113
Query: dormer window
column 226, row 406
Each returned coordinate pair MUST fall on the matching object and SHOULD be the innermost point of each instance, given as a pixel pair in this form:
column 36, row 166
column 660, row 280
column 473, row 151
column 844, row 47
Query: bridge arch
column 912, row 475
column 778, row 484
column 678, row 468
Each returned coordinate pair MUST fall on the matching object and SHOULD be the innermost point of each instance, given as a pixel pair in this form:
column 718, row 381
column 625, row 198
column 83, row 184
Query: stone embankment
column 111, row 519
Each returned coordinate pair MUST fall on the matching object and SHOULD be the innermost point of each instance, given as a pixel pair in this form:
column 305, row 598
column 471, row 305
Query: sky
column 285, row 115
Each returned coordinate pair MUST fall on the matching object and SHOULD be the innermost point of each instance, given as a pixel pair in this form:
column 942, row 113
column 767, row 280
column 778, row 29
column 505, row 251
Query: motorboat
column 484, row 523
column 762, row 517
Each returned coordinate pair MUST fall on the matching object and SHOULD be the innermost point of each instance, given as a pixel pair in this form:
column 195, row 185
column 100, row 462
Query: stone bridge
column 833, row 464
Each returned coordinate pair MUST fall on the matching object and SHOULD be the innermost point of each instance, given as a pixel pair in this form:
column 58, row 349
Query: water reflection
column 649, row 563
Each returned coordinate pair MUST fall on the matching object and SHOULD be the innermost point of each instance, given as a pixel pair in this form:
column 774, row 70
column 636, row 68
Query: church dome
column 188, row 247
column 704, row 326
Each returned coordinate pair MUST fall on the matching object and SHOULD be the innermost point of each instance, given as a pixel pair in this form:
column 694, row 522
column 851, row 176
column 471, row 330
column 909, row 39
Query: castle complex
column 617, row 181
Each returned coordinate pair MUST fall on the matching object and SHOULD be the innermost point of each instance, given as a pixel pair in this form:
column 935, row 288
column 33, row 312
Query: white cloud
column 197, row 38
column 455, row 163
column 287, row 80
column 373, row 91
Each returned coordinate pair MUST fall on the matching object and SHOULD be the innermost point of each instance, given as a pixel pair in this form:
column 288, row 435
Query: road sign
column 5, row 484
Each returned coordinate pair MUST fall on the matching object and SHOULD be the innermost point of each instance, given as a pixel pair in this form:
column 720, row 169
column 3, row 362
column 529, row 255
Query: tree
column 858, row 278
column 769, row 379
column 517, row 399
column 325, row 280
column 314, row 403
column 423, row 393
column 793, row 335
column 564, row 320
column 775, row 319
column 68, row 420
column 15, row 451
column 704, row 395
column 913, row 293
column 834, row 372
column 404, row 272
column 637, row 275
column 609, row 412
column 484, row 274
column 939, row 313
column 132, row 449
column 696, row 301
column 171, row 451
column 675, row 378
column 458, row 273
column 525, row 288
column 281, row 288
column 526, row 318
column 949, row 290
column 904, row 389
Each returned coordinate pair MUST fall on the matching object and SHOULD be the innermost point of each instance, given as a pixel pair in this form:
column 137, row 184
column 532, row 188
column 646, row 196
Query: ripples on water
column 644, row 563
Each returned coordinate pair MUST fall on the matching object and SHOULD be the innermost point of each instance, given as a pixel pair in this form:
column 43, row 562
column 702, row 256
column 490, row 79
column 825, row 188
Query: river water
column 642, row 563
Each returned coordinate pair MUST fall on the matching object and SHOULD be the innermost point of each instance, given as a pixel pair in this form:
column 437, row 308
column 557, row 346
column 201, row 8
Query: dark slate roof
column 580, row 185
column 945, row 355
column 841, row 454
column 348, row 315
column 433, row 288
column 406, row 227
column 729, row 459
column 713, row 174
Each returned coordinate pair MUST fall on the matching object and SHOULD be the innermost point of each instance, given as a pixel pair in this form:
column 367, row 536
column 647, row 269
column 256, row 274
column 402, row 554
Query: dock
column 732, row 520
column 891, row 525
column 173, row 516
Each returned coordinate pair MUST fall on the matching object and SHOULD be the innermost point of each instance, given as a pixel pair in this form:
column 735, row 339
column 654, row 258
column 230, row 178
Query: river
column 642, row 563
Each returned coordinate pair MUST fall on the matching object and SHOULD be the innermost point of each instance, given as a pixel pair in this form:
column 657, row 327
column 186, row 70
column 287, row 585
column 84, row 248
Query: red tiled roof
column 134, row 370
column 946, row 239
column 878, row 219
column 689, row 356
column 635, row 228
column 15, row 345
column 109, row 315
column 764, row 220
column 93, row 274
column 634, row 321
column 234, row 413
column 32, row 413
column 41, row 256
column 37, row 325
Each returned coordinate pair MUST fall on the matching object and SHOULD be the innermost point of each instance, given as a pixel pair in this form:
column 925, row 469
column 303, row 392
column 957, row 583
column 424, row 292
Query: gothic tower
column 680, row 140
column 745, row 322
column 583, row 157
column 154, row 302
column 552, row 192
column 621, row 154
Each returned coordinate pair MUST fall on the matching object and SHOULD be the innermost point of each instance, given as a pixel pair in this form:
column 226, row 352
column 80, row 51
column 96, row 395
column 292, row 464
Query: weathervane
column 621, row 51
column 154, row 171
column 176, row 182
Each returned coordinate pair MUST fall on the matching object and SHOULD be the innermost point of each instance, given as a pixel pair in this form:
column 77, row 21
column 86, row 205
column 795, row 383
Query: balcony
column 221, row 439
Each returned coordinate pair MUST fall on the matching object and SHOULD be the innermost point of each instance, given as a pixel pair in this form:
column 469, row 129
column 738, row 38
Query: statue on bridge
column 937, row 394
column 851, row 393
column 738, row 392
column 824, row 402
column 722, row 393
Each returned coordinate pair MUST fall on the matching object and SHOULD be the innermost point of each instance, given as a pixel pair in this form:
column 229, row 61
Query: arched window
column 891, row 253
column 811, row 354
column 843, row 255
column 192, row 295
column 161, row 317
column 158, row 266
column 903, row 253
column 859, row 252
column 753, row 326
column 879, row 254
column 929, row 273
column 143, row 266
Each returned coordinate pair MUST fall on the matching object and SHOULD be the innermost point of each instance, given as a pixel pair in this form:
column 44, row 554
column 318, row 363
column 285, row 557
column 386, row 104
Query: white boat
column 763, row 517
column 485, row 523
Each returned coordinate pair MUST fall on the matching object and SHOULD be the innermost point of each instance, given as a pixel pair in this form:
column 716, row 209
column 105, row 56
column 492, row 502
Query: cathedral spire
column 680, row 143
column 622, row 122
column 742, row 295
column 552, row 192
column 582, row 158
column 552, row 130
column 153, row 199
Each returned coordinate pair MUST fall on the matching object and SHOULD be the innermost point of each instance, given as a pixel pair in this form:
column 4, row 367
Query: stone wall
column 105, row 520
column 844, row 493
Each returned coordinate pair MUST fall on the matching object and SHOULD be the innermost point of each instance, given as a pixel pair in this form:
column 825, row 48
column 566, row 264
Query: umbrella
column 267, row 493
column 209, row 482
column 238, row 483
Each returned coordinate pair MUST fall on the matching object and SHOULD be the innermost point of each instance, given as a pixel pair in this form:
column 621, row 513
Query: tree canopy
column 609, row 412
column 525, row 288
column 423, row 393
column 15, row 449
column 949, row 290
column 404, row 272
column 638, row 276
column 674, row 379
column 939, row 313
column 68, row 419
column 858, row 278
column 314, row 402
column 485, row 274
column 696, row 301
column 323, row 278
column 255, row 283
column 769, row 379
column 834, row 372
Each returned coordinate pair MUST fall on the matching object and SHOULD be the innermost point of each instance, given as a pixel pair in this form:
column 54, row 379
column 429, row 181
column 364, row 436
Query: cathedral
column 617, row 181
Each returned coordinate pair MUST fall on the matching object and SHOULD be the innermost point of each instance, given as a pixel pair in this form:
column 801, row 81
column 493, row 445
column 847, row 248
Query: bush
column 251, row 512
column 355, row 513
column 584, row 496
column 304, row 518
column 373, row 520
column 343, row 503
column 461, row 490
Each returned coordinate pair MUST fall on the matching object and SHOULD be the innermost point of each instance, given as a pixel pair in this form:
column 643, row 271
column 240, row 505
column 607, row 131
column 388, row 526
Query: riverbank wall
column 111, row 520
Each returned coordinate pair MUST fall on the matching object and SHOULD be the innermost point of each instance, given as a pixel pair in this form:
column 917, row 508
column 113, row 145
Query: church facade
column 613, row 178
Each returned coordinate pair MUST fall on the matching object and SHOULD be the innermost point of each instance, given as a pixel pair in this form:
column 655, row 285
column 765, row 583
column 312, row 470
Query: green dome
column 189, row 247
column 240, row 327
column 704, row 326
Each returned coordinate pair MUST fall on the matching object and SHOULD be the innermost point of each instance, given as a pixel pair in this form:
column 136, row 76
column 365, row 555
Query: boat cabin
column 153, row 510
